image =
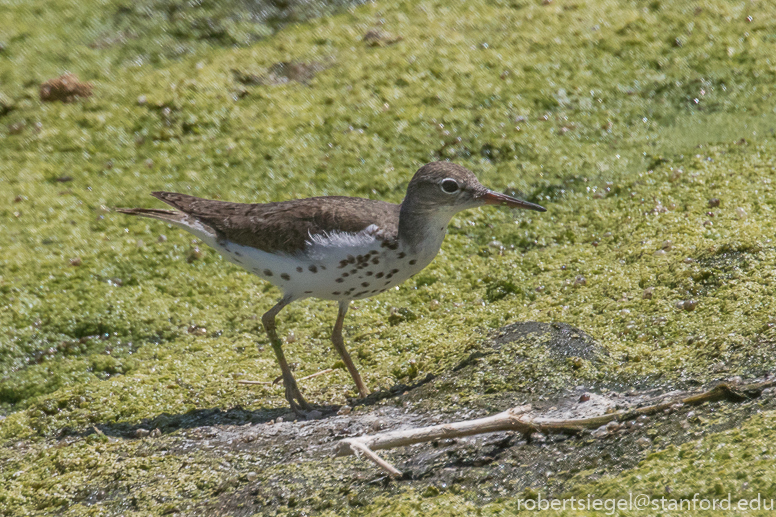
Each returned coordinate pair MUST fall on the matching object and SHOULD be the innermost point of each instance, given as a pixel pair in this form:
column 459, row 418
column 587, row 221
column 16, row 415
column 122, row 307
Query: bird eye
column 449, row 186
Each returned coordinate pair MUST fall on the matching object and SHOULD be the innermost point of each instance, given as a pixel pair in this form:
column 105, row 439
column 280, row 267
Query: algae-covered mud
column 647, row 129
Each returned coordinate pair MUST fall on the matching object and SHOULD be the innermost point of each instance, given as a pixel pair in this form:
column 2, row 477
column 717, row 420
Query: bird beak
column 495, row 198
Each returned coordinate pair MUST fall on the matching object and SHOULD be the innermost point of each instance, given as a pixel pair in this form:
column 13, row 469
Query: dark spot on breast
column 307, row 292
column 237, row 260
column 364, row 284
column 374, row 291
column 412, row 262
column 351, row 259
column 402, row 255
column 388, row 282
column 312, row 268
column 285, row 276
column 323, row 268
column 369, row 273
column 375, row 260
column 336, row 293
column 353, row 271
column 343, row 263
column 379, row 275
column 360, row 258
column 394, row 271
column 340, row 280
column 361, row 293
column 344, row 275
column 389, row 275
column 298, row 269
column 267, row 272
column 238, row 253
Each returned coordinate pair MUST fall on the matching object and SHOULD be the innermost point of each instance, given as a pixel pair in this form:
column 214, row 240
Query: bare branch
column 518, row 419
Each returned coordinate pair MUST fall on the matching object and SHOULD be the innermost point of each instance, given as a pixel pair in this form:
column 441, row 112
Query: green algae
column 624, row 126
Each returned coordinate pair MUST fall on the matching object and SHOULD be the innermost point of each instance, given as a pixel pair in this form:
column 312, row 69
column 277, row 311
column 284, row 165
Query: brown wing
column 286, row 226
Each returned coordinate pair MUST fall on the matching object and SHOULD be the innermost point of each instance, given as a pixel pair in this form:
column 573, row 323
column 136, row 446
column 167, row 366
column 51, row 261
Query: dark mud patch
column 271, row 462
column 290, row 468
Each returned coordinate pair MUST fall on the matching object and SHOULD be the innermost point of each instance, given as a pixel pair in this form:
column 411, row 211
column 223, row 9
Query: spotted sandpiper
column 333, row 247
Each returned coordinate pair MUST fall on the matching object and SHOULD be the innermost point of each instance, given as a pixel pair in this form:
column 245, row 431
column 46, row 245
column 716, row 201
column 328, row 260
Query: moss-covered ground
column 647, row 129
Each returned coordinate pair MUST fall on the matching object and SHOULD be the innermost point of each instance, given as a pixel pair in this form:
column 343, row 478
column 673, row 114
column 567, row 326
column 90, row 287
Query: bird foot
column 294, row 397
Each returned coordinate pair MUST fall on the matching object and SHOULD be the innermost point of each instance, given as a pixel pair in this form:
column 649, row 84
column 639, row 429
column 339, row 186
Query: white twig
column 369, row 453
column 517, row 419
column 316, row 374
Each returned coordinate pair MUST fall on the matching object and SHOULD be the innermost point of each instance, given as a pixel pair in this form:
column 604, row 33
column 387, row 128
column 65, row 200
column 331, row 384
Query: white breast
column 334, row 266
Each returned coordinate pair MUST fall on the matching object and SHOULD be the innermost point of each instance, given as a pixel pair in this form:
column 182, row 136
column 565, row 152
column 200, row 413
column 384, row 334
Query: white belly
column 334, row 267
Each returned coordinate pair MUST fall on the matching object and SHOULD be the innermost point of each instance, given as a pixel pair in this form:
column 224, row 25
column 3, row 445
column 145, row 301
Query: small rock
column 648, row 292
column 714, row 202
column 378, row 424
column 194, row 254
column 378, row 38
column 251, row 477
column 740, row 213
column 142, row 100
column 685, row 424
column 142, row 433
column 162, row 238
column 642, row 419
column 344, row 410
column 278, row 420
column 584, row 397
column 601, row 432
column 65, row 88
column 16, row 128
column 580, row 281
column 156, row 433
column 644, row 442
column 612, row 426
column 314, row 415
column 76, row 261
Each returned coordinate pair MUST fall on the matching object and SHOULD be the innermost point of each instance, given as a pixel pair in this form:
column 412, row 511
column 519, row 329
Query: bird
column 332, row 247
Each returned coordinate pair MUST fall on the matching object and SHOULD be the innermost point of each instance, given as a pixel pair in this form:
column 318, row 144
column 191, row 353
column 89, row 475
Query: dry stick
column 316, row 374
column 514, row 419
